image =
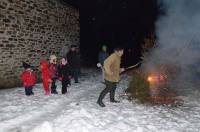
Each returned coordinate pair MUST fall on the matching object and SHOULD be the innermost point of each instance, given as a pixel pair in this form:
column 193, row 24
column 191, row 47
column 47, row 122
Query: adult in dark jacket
column 103, row 54
column 74, row 62
column 65, row 74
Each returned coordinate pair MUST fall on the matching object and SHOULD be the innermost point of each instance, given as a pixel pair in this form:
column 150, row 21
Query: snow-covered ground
column 77, row 111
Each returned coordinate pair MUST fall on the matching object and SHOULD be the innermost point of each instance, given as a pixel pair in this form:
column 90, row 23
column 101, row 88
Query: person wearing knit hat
column 28, row 77
column 53, row 72
column 53, row 59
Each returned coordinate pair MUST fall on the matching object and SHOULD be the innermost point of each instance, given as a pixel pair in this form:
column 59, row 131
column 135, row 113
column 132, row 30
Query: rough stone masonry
column 31, row 30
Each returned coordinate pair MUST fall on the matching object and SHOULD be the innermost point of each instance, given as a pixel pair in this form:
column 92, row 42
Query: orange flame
column 150, row 79
column 155, row 78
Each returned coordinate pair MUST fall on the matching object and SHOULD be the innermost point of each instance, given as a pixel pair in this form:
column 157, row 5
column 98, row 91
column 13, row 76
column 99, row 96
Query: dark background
column 122, row 23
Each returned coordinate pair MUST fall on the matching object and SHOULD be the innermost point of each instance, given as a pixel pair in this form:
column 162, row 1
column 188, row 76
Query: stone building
column 31, row 30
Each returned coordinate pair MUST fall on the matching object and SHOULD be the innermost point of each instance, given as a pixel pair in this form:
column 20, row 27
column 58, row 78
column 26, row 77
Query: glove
column 98, row 64
column 122, row 70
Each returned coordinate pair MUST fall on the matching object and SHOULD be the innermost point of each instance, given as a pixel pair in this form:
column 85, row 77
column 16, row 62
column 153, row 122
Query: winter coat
column 112, row 68
column 73, row 59
column 29, row 78
column 64, row 72
column 45, row 71
column 102, row 56
column 53, row 71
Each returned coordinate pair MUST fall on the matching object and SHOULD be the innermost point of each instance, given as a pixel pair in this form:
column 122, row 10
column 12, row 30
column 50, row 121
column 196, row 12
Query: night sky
column 114, row 22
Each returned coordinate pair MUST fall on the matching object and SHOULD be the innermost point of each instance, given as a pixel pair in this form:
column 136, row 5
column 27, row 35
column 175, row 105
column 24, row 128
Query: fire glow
column 155, row 78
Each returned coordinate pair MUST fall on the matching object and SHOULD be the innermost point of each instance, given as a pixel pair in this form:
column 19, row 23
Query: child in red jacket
column 29, row 79
column 45, row 76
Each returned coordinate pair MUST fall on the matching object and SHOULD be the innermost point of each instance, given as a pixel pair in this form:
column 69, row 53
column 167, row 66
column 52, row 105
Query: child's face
column 73, row 49
column 54, row 61
column 29, row 69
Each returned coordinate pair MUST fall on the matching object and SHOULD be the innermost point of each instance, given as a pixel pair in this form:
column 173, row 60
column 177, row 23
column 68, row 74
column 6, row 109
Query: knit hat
column 73, row 46
column 26, row 65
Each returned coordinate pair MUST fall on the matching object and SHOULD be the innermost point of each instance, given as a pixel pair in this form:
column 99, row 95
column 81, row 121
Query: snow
column 77, row 111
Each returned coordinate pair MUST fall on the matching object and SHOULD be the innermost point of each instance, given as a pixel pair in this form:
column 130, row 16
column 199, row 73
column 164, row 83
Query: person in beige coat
column 112, row 75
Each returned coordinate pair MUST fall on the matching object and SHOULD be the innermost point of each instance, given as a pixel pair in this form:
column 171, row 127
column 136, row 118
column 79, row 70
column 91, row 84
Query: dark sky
column 114, row 22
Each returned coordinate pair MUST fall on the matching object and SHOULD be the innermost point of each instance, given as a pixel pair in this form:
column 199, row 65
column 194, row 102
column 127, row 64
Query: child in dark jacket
column 64, row 74
column 45, row 76
column 53, row 71
column 29, row 79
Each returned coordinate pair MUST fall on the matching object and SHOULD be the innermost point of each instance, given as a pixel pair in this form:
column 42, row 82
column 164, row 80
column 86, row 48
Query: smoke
column 178, row 41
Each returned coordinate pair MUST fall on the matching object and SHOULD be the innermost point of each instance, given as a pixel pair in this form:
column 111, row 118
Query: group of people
column 52, row 71
column 69, row 66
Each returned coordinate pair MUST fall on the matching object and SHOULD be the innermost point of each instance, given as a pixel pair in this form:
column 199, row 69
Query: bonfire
column 152, row 88
column 160, row 88
column 154, row 85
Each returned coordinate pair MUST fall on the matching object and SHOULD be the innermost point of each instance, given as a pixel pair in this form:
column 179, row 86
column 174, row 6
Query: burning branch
column 153, row 85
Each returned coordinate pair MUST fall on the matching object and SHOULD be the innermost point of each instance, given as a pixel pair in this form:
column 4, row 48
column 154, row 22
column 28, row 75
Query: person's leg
column 68, row 82
column 64, row 86
column 112, row 92
column 53, row 86
column 31, row 90
column 46, row 87
column 75, row 75
column 103, row 94
column 103, row 75
column 28, row 91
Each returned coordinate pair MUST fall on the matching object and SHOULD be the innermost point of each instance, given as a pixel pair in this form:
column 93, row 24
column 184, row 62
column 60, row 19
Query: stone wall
column 31, row 30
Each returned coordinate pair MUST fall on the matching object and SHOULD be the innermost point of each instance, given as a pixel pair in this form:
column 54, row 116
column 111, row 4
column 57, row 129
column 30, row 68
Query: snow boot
column 47, row 93
column 100, row 103
column 54, row 92
column 53, row 86
column 115, row 101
